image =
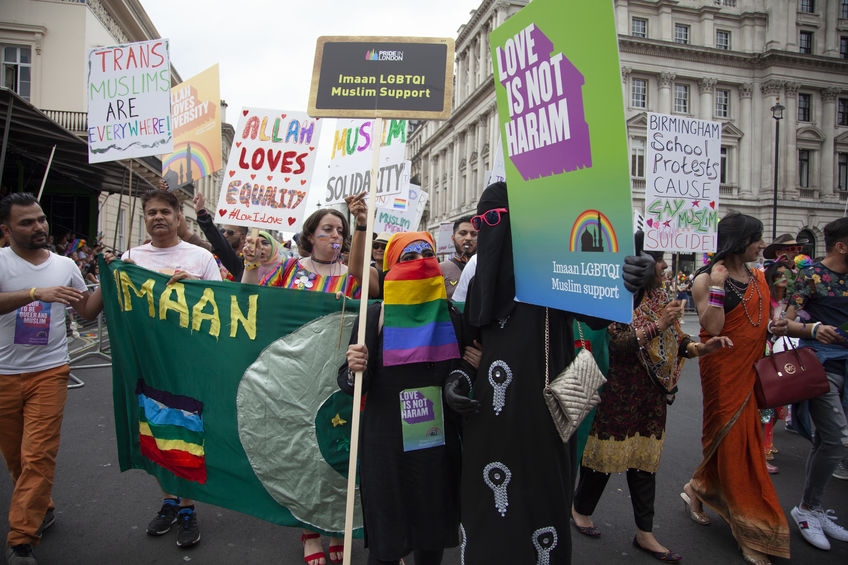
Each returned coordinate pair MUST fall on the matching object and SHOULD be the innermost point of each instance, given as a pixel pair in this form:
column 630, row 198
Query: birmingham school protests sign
column 129, row 101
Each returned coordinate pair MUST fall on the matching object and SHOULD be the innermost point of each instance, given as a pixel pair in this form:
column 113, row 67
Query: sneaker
column 166, row 518
column 811, row 530
column 189, row 533
column 20, row 555
column 827, row 521
column 841, row 471
column 49, row 520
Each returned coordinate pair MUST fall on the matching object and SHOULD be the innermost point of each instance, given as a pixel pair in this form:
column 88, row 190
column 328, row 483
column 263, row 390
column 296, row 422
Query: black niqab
column 492, row 295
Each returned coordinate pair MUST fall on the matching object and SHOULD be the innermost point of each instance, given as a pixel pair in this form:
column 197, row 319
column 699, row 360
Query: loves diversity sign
column 558, row 88
column 129, row 101
column 270, row 166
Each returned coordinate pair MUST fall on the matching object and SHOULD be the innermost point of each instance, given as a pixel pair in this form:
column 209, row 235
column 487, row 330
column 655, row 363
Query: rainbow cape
column 170, row 431
column 416, row 322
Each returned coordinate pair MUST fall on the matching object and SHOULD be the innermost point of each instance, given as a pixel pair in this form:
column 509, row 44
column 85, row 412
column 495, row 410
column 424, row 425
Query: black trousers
column 422, row 557
column 642, row 486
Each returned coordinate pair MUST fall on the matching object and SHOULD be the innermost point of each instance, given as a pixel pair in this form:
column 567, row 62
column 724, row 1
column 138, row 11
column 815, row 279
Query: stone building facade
column 723, row 60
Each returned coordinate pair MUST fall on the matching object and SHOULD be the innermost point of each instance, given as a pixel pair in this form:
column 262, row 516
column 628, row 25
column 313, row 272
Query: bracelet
column 32, row 294
column 716, row 297
column 250, row 266
column 361, row 228
column 815, row 330
column 770, row 327
column 694, row 352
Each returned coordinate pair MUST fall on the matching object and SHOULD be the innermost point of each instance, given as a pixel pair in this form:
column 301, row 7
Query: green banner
column 227, row 393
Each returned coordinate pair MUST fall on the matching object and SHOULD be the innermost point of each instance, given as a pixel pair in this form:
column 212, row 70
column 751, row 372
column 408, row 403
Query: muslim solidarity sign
column 129, row 101
column 268, row 173
column 682, row 184
column 561, row 117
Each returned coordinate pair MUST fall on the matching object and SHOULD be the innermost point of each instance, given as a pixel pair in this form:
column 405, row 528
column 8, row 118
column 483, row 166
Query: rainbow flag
column 416, row 322
column 75, row 245
column 400, row 203
column 170, row 430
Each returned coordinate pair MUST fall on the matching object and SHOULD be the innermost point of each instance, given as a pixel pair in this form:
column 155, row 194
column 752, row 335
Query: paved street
column 102, row 514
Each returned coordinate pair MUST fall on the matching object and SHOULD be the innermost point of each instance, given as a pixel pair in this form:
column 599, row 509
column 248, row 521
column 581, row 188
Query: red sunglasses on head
column 491, row 217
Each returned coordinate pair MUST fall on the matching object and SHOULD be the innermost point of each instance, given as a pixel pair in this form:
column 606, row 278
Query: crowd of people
column 453, row 332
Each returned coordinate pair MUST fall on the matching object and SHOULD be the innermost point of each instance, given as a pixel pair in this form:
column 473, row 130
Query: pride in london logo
column 377, row 55
column 592, row 232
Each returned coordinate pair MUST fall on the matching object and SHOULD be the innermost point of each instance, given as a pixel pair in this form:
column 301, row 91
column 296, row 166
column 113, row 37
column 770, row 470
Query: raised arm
column 710, row 315
column 359, row 210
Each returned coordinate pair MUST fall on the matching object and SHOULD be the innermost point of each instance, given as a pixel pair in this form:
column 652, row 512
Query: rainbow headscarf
column 416, row 322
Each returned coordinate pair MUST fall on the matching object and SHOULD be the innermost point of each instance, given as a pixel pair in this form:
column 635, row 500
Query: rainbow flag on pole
column 416, row 322
column 170, row 430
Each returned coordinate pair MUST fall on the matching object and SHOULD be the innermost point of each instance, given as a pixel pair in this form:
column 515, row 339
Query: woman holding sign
column 733, row 300
column 409, row 448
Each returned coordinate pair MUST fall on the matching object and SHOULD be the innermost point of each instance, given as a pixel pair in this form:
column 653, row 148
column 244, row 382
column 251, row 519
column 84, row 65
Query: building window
column 843, row 47
column 842, row 112
column 722, row 39
column 639, row 93
column 842, row 171
column 681, row 98
column 723, row 169
column 804, row 107
column 637, row 158
column 681, row 33
column 17, row 69
column 730, row 3
column 722, row 104
column 804, row 168
column 805, row 43
column 843, row 9
column 639, row 27
column 808, row 6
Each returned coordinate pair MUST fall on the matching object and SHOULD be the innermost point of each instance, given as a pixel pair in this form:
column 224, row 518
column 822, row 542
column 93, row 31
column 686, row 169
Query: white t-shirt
column 460, row 293
column 181, row 257
column 33, row 337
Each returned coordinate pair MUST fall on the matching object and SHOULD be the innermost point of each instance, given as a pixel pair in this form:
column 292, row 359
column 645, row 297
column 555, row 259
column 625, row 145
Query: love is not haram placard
column 561, row 117
column 269, row 169
column 350, row 160
column 196, row 119
column 129, row 102
column 682, row 184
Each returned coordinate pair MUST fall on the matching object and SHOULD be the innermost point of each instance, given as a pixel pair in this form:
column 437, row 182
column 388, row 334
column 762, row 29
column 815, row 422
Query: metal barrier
column 100, row 341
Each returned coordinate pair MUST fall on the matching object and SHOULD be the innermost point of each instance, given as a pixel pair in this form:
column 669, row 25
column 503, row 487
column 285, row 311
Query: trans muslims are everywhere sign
column 682, row 184
column 269, row 170
column 558, row 88
column 386, row 77
column 129, row 101
column 196, row 120
column 351, row 156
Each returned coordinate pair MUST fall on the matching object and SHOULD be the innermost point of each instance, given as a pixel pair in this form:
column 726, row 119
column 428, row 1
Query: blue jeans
column 830, row 443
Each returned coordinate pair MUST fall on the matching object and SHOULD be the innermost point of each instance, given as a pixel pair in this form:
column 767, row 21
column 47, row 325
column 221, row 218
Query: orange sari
column 732, row 478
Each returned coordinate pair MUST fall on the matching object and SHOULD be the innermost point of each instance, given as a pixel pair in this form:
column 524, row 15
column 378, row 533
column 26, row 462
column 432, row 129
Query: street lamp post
column 777, row 114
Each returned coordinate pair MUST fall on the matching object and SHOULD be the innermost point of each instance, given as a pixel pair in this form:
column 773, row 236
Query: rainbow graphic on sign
column 593, row 232
column 198, row 157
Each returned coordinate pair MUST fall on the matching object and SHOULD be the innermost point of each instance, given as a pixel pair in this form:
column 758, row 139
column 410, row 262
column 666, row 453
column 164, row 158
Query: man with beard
column 35, row 287
column 465, row 241
column 168, row 254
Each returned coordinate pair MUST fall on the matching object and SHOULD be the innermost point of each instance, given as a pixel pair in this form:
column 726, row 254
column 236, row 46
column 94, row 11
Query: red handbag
column 789, row 377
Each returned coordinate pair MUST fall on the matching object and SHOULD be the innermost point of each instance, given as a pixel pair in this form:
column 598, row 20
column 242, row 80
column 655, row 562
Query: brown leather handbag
column 788, row 377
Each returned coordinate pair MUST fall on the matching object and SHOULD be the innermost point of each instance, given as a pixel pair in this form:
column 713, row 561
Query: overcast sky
column 266, row 48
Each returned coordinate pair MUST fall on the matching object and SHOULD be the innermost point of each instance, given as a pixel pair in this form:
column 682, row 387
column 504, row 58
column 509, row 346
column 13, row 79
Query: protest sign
column 394, row 221
column 350, row 160
column 444, row 239
column 258, row 407
column 388, row 77
column 498, row 172
column 558, row 88
column 682, row 184
column 129, row 102
column 268, row 173
column 196, row 120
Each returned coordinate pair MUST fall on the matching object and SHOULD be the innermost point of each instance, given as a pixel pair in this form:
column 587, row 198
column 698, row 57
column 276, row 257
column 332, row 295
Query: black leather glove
column 457, row 393
column 638, row 272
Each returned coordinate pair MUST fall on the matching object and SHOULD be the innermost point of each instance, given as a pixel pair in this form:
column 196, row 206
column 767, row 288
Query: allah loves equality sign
column 129, row 101
column 561, row 117
column 269, row 169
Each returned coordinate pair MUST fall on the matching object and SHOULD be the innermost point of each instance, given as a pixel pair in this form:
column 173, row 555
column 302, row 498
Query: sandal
column 762, row 560
column 314, row 556
column 697, row 517
column 336, row 549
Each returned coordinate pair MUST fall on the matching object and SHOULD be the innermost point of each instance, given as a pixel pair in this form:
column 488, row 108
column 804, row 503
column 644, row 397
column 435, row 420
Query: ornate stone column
column 745, row 144
column 790, row 155
column 828, row 126
column 771, row 90
column 625, row 83
column 454, row 188
column 482, row 135
column 707, row 88
column 468, row 188
column 666, row 82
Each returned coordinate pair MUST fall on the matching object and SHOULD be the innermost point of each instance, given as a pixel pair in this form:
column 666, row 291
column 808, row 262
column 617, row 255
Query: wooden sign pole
column 377, row 138
column 132, row 209
column 47, row 170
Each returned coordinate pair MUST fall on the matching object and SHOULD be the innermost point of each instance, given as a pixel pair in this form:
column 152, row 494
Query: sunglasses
column 227, row 233
column 378, row 246
column 491, row 217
